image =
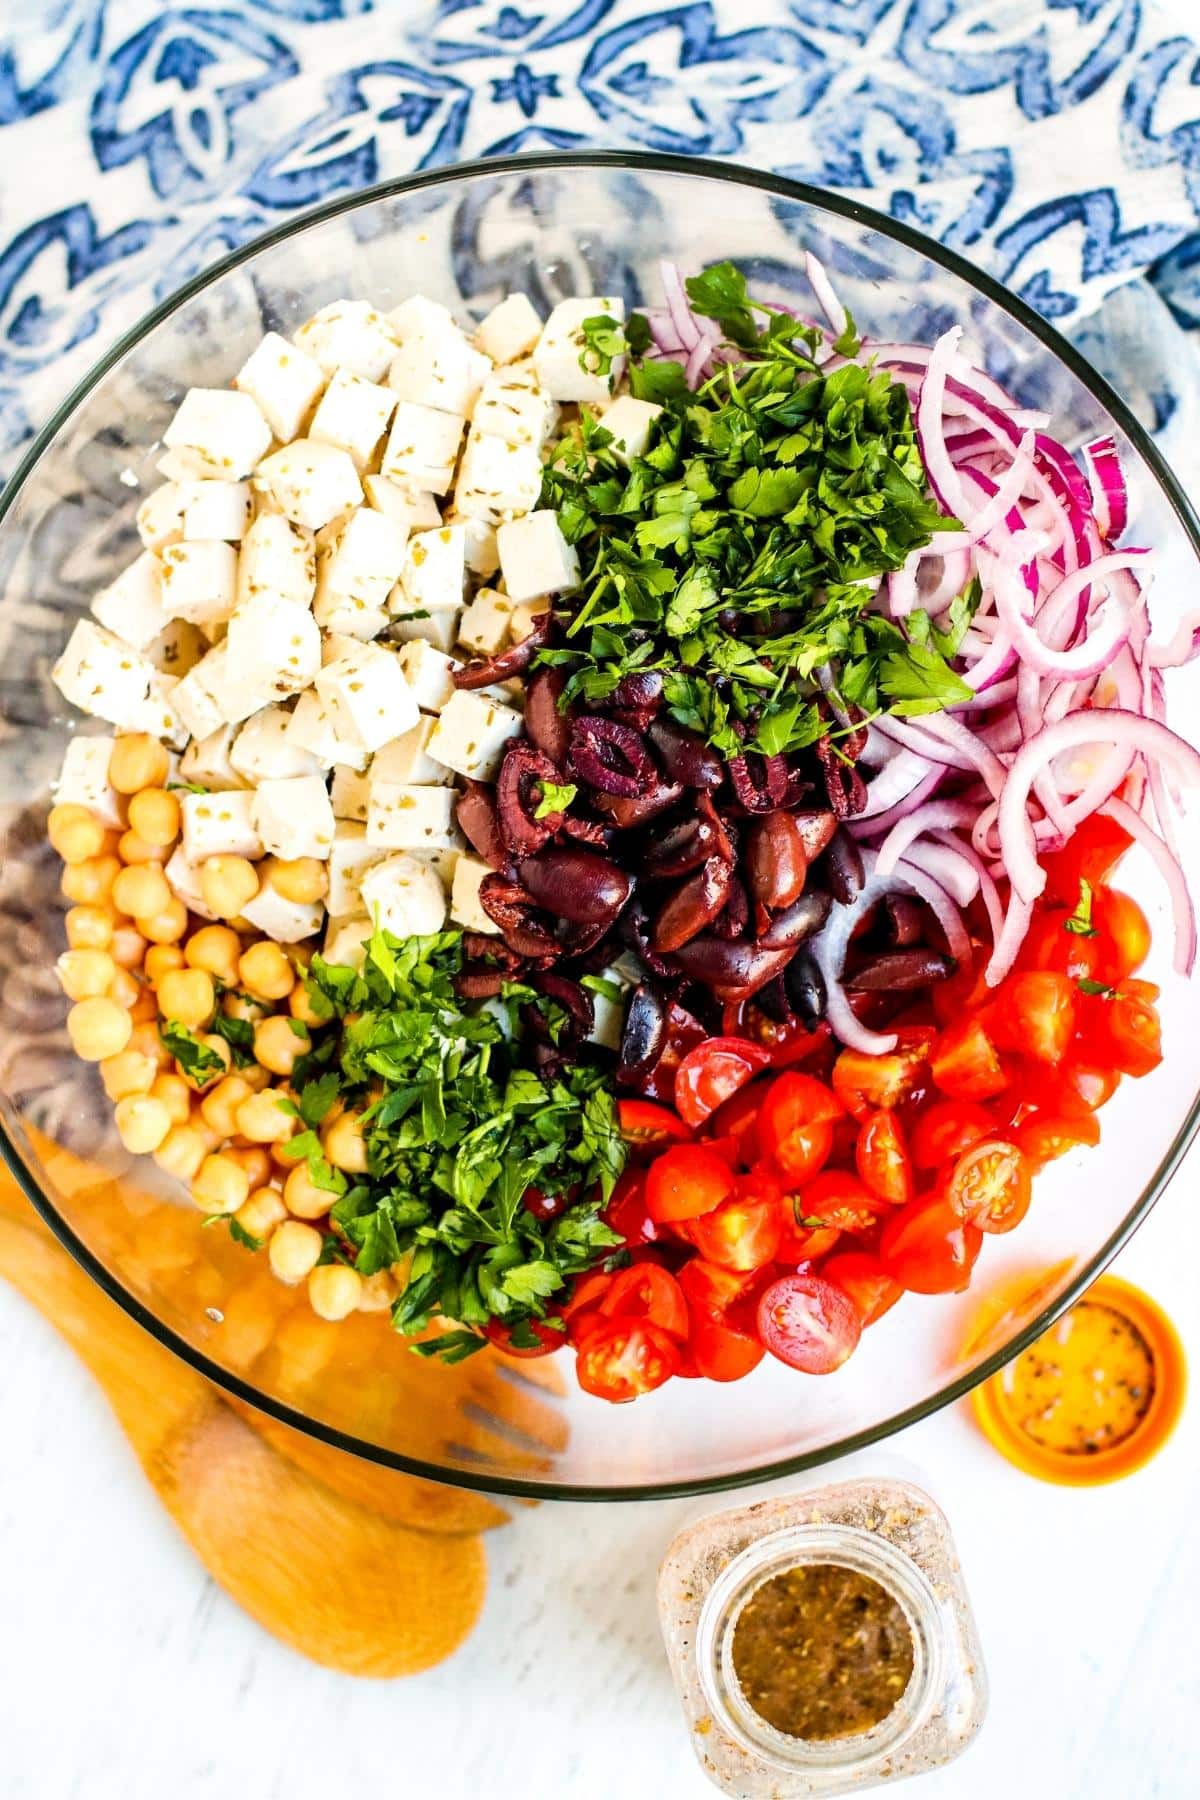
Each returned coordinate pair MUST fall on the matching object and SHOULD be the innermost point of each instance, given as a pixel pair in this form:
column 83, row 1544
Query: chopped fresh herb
column 185, row 787
column 241, row 1236
column 604, row 340
column 554, row 799
column 1100, row 988
column 315, row 1098
column 198, row 1060
column 238, row 1034
column 600, row 984
column 1080, row 921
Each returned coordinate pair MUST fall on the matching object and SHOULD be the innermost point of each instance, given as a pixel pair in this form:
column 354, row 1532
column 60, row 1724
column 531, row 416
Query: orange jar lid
column 1095, row 1396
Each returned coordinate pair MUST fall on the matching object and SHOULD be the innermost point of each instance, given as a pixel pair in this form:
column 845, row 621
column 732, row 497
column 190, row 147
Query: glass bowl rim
column 736, row 175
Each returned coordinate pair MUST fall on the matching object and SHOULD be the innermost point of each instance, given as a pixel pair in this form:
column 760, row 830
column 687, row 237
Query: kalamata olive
column 842, row 867
column 733, row 970
column 633, row 930
column 904, row 921
column 524, row 772
column 640, row 693
column 805, row 988
column 514, row 661
column 477, row 815
column 644, row 1033
column 574, row 1000
column 512, row 908
column 549, row 728
column 774, row 861
column 684, row 755
column 610, row 757
column 901, row 971
column 477, row 983
column 626, row 810
column 772, row 999
column 694, row 904
column 734, row 917
column 545, row 1207
column 585, row 831
column 844, row 785
column 797, row 921
column 685, row 845
column 760, row 782
column 576, row 884
column 816, row 829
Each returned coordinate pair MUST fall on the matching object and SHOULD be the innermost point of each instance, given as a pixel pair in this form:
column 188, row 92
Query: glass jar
column 889, row 1531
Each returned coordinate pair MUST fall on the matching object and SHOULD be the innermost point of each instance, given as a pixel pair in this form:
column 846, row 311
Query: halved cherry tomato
column 928, row 1249
column 623, row 1358
column 738, row 1119
column 708, row 1287
column 808, row 1323
column 1049, row 944
column 795, row 1124
column 713, row 1072
column 1124, row 934
column 1091, row 854
column 787, row 1043
column 989, row 1185
column 548, row 1338
column 1037, row 1014
column 1048, row 1135
column 944, row 1131
column 867, row 1282
column 801, row 1243
column 721, row 1349
column 647, row 1291
column 685, row 1182
column 1123, row 1027
column 581, row 1312
column 965, row 1064
column 744, row 1232
column 626, row 1210
column 839, row 1201
column 646, row 1125
column 882, row 1158
column 864, row 1083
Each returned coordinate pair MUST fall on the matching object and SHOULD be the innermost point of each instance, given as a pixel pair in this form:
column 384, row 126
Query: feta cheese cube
column 367, row 697
column 401, row 817
column 177, row 648
column 311, row 483
column 346, row 941
column 160, row 516
column 510, row 330
column 348, row 795
column 512, row 406
column 311, row 727
column 631, row 422
column 349, row 334
column 217, row 509
column 350, row 857
column 183, row 879
column 83, row 780
column 284, row 921
column 471, row 733
column 206, row 761
column 429, row 673
column 199, row 581
column 479, row 539
column 497, row 480
column 405, row 897
column 219, row 825
column 440, row 371
column 218, row 692
column 608, row 1009
column 422, row 447
column 180, row 468
column 263, row 751
column 439, row 629
column 409, row 508
column 420, row 317
column 131, row 607
column 434, row 571
column 285, row 381
column 561, row 355
column 353, row 415
column 277, row 558
column 159, row 715
column 406, row 762
column 293, row 817
column 104, row 677
column 364, row 560
column 465, row 907
column 443, row 861
column 220, row 432
column 346, row 616
column 525, row 617
column 484, row 624
column 536, row 558
column 275, row 645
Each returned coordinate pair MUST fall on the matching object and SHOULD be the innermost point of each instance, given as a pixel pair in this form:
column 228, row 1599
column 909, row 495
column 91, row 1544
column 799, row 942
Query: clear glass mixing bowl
column 552, row 226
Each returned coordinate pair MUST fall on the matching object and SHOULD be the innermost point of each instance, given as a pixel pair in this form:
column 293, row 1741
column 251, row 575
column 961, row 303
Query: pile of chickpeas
column 136, row 956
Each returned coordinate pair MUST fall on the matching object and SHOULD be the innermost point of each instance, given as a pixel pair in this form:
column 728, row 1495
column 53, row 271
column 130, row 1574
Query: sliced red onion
column 828, row 949
column 940, row 904
column 1109, row 635
column 953, row 874
column 1009, row 941
column 930, row 425
column 896, row 785
column 675, row 295
column 989, row 892
column 936, row 815
column 969, row 745
column 822, row 287
column 1106, row 479
column 1169, row 867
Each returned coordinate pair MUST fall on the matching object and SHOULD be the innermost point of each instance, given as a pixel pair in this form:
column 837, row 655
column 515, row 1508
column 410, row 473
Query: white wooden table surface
column 125, row 1674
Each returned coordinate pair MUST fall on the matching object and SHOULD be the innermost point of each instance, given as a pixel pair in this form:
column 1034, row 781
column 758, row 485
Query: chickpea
column 189, row 996
column 182, row 1151
column 303, row 880
column 142, row 1123
column 262, row 1120
column 88, row 928
column 175, row 1095
column 258, row 1166
column 124, row 989
column 301, row 1007
column 134, row 849
column 303, row 1197
column 242, row 1006
column 98, row 1028
column 277, row 1045
column 128, row 946
column 256, row 1077
column 345, row 1146
column 90, row 883
column 146, row 1038
column 137, row 761
column 378, row 1292
column 266, row 971
column 219, row 1106
column 214, row 948
column 220, row 1185
column 160, row 959
column 166, row 926
column 228, row 883
column 293, row 1251
column 154, row 815
column 75, row 833
column 144, row 1010
column 128, row 1072
column 140, row 891
column 82, row 974
column 262, row 1212
column 334, row 1291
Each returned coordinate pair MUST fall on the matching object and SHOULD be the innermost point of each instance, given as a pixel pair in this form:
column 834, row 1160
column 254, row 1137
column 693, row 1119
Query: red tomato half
column 623, row 1358
column 1048, row 1135
column 863, row 1083
column 738, row 1119
column 1122, row 1029
column 646, row 1125
column 839, row 1201
column 721, row 1348
column 1091, row 854
column 581, row 1313
column 795, row 1124
column 882, row 1158
column 1124, row 934
column 809, row 1323
column 712, row 1073
column 685, row 1182
column 647, row 1291
column 944, row 1131
column 1037, row 1013
column 548, row 1339
column 867, row 1282
column 626, row 1210
column 989, row 1185
column 965, row 1064
column 928, row 1249
column 710, row 1288
column 1050, row 945
column 744, row 1232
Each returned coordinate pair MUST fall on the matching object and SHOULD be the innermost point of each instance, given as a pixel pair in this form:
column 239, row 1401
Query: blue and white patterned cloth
column 1055, row 142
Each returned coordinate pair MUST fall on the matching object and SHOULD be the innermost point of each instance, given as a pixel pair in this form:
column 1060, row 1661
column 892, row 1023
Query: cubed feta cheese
column 160, row 516
column 631, row 422
column 510, row 329
column 561, row 355
column 293, row 817
column 104, row 677
column 406, row 760
column 367, row 696
column 403, row 817
column 132, row 606
column 217, row 509
column 83, row 780
column 349, row 334
column 409, row 508
column 497, row 480
column 608, row 1009
column 465, row 907
column 183, row 879
column 220, row 431
column 479, row 540
column 179, row 467
column 219, row 825
column 441, row 371
column 277, row 558
column 159, row 715
column 348, row 794
column 263, row 751
column 420, row 317
column 434, row 571
column 177, row 648
column 312, row 727
column 310, row 482
column 199, row 581
column 206, row 761
column 346, row 615
column 439, row 629
column 346, row 941
column 353, row 415
column 364, row 560
column 443, row 861
column 484, row 624
column 349, row 859
column 429, row 673
column 525, row 617
column 422, row 447
column 405, row 897
column 536, row 558
column 471, row 733
column 275, row 645
column 218, row 692
column 285, row 381
column 285, row 921
column 512, row 406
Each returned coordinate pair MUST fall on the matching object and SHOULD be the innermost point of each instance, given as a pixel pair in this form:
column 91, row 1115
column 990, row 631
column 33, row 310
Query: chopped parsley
column 1080, row 921
column 200, row 1061
column 554, row 799
column 1100, row 989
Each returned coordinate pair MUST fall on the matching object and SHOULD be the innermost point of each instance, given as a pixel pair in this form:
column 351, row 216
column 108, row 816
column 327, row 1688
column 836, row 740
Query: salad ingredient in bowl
column 703, row 738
